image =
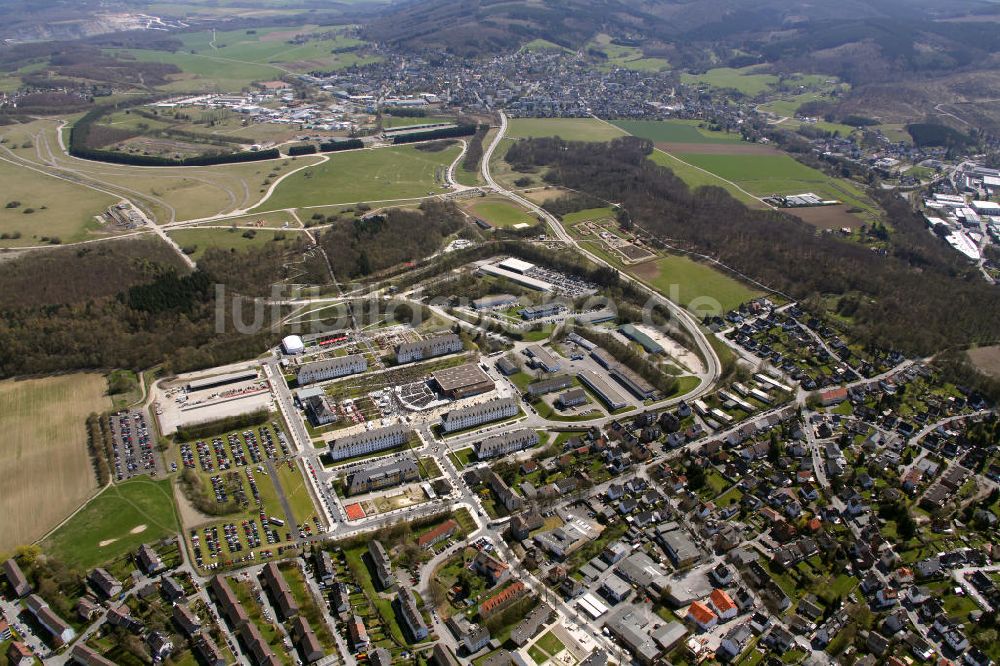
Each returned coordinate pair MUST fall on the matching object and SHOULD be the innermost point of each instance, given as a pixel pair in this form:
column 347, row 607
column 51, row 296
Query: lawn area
column 551, row 644
column 674, row 131
column 745, row 80
column 400, row 172
column 362, row 576
column 693, row 284
column 117, row 521
column 571, row 129
column 196, row 241
column 45, row 442
column 588, row 214
column 696, row 177
column 296, row 492
column 35, row 206
column 500, row 212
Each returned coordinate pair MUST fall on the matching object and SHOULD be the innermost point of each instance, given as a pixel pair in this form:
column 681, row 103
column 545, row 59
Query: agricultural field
column 626, row 57
column 570, row 129
column 986, row 359
column 500, row 212
column 44, row 451
column 745, row 80
column 196, row 241
column 675, row 131
column 47, row 208
column 688, row 281
column 763, row 175
column 401, row 172
column 121, row 518
column 228, row 61
column 695, row 177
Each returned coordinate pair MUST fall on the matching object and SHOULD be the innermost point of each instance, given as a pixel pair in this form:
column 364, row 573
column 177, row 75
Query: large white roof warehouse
column 516, row 265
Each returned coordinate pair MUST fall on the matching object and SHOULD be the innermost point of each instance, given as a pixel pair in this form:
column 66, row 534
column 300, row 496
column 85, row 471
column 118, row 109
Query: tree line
column 429, row 135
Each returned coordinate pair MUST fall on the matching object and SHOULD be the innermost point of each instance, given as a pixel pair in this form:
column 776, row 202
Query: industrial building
column 632, row 381
column 518, row 278
column 468, row 417
column 386, row 476
column 542, row 358
column 647, row 343
column 506, row 443
column 608, row 394
column 463, row 381
column 494, row 301
column 333, row 368
column 439, row 345
column 221, row 380
column 369, row 441
column 516, row 265
column 540, row 311
column 550, row 385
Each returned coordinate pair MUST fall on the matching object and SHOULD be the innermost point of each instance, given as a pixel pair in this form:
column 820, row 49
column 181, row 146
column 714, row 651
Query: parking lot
column 134, row 449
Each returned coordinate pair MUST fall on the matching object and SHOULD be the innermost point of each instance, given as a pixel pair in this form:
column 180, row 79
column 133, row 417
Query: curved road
column 714, row 366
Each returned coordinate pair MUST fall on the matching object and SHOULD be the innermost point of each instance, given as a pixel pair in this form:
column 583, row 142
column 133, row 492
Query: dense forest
column 129, row 304
column 360, row 247
column 919, row 299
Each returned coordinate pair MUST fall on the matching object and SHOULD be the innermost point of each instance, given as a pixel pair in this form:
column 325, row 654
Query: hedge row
column 302, row 149
column 429, row 135
column 334, row 146
column 78, row 148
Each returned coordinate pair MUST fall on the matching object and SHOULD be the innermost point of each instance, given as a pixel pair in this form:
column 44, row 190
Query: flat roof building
column 516, row 265
column 542, row 358
column 515, row 277
column 610, row 396
column 463, row 381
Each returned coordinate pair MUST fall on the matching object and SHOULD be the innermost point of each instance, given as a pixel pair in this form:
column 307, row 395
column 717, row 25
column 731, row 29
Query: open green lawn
column 296, row 492
column 695, row 177
column 571, row 129
column 117, row 521
column 551, row 644
column 588, row 214
column 692, row 284
column 401, row 172
column 501, row 212
column 778, row 174
column 196, row 241
column 35, row 206
column 744, row 80
column 674, row 131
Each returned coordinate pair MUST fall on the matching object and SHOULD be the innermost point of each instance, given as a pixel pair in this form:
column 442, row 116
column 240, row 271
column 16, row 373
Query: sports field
column 381, row 174
column 675, row 131
column 44, row 451
column 746, row 80
column 500, row 212
column 693, row 284
column 571, row 129
column 117, row 521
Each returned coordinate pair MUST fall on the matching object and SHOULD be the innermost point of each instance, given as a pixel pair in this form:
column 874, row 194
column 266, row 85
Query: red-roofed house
column 702, row 616
column 500, row 601
column 723, row 604
column 438, row 534
column 833, row 396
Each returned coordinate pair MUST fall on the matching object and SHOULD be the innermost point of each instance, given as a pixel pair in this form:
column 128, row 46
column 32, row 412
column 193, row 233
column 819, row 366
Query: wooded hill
column 919, row 299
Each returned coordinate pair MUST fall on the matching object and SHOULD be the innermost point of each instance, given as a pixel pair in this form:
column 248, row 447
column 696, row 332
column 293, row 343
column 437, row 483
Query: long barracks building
column 438, row 345
column 369, row 441
column 333, row 368
column 468, row 417
column 505, row 443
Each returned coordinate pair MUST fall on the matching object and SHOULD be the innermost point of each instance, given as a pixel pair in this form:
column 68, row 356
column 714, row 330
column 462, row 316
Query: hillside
column 860, row 41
